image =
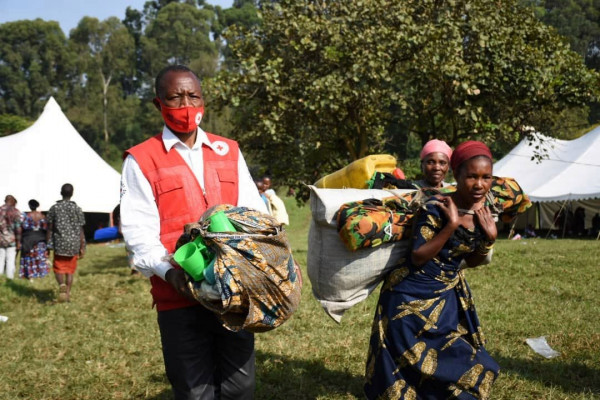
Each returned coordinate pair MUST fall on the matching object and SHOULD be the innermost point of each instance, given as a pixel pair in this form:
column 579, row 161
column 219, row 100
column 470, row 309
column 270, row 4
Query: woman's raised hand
column 487, row 223
column 447, row 205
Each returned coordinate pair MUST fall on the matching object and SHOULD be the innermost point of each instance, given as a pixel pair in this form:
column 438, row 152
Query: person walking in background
column 426, row 341
column 34, row 252
column 10, row 236
column 260, row 186
column 66, row 238
column 579, row 222
column 169, row 180
column 276, row 205
column 529, row 231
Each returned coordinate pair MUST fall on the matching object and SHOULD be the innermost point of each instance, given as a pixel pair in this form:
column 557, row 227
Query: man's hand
column 176, row 278
column 81, row 252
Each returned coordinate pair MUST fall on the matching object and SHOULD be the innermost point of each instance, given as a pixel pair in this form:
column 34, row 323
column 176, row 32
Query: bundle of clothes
column 257, row 282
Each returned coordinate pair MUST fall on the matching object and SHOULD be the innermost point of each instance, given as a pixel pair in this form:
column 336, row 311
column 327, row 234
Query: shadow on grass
column 166, row 394
column 116, row 264
column 572, row 377
column 280, row 377
column 28, row 290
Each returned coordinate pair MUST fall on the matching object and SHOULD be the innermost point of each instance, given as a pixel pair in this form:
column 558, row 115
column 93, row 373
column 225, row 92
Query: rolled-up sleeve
column 140, row 222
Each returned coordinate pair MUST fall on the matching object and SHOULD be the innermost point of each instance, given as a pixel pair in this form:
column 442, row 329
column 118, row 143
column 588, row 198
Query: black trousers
column 203, row 360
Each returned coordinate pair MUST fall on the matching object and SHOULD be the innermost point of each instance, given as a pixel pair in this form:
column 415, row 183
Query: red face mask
column 181, row 119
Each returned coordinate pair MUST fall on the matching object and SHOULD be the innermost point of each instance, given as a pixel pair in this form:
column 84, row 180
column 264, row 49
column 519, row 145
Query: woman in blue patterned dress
column 34, row 254
column 426, row 342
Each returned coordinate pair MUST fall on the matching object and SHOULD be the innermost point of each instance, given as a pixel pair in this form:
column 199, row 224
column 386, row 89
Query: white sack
column 341, row 278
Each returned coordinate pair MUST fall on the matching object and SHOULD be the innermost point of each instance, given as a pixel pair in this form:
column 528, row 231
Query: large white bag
column 341, row 278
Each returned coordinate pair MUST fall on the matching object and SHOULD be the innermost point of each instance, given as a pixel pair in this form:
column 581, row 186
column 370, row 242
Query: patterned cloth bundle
column 372, row 222
column 256, row 277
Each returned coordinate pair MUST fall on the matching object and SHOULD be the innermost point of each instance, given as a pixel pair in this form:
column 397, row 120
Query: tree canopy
column 34, row 64
column 318, row 83
column 309, row 85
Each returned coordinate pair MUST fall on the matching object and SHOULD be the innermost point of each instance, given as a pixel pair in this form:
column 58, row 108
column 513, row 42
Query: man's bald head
column 159, row 87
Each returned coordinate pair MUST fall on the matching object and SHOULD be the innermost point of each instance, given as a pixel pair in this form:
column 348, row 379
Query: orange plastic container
column 356, row 174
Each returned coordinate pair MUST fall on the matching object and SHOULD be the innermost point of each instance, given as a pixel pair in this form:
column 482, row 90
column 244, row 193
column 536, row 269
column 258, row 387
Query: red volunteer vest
column 179, row 197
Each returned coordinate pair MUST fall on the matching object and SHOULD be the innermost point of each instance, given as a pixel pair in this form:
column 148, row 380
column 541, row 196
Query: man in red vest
column 167, row 181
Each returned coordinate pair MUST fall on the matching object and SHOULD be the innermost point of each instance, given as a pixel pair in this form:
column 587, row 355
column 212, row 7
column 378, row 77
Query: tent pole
column 554, row 220
column 566, row 215
column 512, row 228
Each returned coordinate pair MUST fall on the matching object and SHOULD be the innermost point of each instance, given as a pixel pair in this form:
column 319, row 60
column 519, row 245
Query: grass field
column 105, row 343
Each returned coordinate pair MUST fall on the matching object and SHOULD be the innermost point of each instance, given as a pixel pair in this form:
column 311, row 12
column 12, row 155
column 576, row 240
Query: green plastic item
column 220, row 223
column 191, row 260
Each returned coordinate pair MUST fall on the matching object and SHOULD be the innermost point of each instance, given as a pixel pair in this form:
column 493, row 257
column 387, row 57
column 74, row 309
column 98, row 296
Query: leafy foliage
column 320, row 83
column 316, row 83
column 34, row 64
column 579, row 22
column 106, row 55
column 180, row 35
column 12, row 124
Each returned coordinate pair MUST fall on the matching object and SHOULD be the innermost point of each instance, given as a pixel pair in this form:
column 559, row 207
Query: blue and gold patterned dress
column 426, row 342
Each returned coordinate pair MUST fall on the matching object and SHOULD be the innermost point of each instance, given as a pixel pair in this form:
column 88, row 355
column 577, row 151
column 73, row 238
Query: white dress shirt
column 140, row 221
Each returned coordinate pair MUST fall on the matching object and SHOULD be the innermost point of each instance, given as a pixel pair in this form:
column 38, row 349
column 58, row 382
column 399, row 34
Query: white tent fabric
column 36, row 162
column 569, row 172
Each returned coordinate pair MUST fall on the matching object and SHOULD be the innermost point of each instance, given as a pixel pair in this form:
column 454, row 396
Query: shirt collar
column 169, row 139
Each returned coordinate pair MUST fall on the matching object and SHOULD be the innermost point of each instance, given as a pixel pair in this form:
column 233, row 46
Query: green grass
column 105, row 343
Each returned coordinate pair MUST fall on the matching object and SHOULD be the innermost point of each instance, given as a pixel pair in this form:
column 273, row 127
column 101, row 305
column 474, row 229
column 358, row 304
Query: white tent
column 36, row 162
column 568, row 175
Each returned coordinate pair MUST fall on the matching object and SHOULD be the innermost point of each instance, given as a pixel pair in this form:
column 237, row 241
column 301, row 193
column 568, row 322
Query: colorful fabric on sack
column 508, row 198
column 372, row 222
column 256, row 276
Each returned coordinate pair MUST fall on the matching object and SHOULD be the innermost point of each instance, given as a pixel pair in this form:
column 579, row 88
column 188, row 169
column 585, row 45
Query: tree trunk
column 105, row 84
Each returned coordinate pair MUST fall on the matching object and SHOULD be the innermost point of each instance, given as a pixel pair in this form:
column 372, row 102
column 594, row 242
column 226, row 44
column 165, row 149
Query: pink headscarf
column 436, row 146
column 468, row 150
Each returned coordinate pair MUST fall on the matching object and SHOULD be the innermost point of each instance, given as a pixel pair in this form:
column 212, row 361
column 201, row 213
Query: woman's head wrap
column 468, row 150
column 436, row 146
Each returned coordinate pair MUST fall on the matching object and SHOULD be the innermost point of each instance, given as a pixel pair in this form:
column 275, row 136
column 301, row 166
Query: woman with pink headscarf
column 435, row 160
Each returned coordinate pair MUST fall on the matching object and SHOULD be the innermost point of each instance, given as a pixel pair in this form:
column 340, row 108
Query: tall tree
column 34, row 64
column 318, row 82
column 577, row 20
column 107, row 51
column 180, row 34
column 242, row 13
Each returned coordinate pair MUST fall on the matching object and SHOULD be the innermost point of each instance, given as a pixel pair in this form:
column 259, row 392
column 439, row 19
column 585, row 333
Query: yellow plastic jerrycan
column 356, row 174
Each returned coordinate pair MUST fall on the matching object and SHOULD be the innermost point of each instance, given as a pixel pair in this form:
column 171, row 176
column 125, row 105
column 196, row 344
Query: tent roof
column 571, row 170
column 36, row 162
